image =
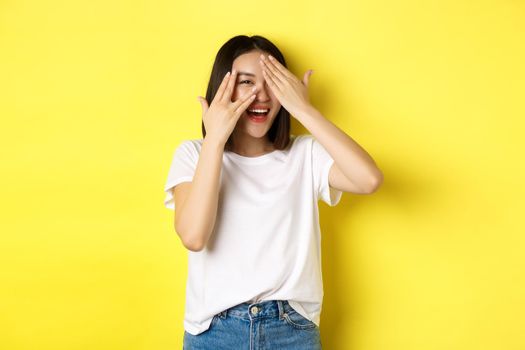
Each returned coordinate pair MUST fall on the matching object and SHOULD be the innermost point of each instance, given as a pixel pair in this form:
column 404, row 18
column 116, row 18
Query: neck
column 248, row 146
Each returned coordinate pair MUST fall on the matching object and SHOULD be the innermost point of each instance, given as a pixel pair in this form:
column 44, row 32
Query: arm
column 353, row 169
column 196, row 212
column 195, row 217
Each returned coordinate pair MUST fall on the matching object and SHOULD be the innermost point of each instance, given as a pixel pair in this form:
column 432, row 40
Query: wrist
column 214, row 141
column 306, row 111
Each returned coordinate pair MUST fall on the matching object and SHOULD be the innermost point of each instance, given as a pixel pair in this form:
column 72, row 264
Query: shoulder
column 303, row 140
column 190, row 145
column 192, row 142
column 188, row 149
column 309, row 144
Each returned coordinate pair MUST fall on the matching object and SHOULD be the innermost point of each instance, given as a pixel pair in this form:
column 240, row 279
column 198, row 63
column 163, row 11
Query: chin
column 259, row 133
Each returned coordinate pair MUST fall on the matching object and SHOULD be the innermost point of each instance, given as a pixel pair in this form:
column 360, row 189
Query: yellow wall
column 95, row 95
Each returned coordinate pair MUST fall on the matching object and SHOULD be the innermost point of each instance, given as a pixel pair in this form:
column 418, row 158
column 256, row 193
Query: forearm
column 199, row 210
column 355, row 163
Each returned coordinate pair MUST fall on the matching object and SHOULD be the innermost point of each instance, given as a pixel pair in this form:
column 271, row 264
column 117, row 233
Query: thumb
column 204, row 104
column 306, row 78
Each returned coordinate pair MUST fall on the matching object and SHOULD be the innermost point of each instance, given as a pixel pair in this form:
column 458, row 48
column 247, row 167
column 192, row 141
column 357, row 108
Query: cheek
column 239, row 91
column 272, row 96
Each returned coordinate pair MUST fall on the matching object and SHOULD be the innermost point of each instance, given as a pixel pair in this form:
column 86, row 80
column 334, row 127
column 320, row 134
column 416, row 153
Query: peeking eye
column 243, row 81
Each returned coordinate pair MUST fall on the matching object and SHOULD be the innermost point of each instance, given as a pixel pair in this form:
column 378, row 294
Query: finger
column 273, row 72
column 270, row 80
column 241, row 104
column 279, row 66
column 204, row 104
column 227, row 96
column 220, row 90
column 306, row 78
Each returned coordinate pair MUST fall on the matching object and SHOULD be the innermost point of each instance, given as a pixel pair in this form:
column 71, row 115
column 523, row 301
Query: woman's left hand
column 289, row 90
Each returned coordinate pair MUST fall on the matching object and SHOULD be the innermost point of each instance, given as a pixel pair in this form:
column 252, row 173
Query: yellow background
column 95, row 96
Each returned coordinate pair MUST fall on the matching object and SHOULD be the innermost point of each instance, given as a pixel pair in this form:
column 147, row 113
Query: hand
column 222, row 115
column 291, row 93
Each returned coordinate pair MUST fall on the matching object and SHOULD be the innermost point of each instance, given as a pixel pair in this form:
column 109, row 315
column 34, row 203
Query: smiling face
column 250, row 75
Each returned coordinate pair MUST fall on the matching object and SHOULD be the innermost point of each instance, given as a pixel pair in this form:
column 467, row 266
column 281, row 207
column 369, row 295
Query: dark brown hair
column 279, row 132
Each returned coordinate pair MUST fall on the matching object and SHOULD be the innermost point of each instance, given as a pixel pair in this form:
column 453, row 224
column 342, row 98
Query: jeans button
column 254, row 310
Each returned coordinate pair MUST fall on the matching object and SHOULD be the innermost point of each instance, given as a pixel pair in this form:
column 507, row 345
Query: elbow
column 375, row 182
column 190, row 241
column 193, row 246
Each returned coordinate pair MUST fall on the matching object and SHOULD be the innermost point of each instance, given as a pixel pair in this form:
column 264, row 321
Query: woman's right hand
column 222, row 115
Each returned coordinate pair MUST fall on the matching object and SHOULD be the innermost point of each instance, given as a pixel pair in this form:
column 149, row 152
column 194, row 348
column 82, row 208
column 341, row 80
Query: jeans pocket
column 298, row 321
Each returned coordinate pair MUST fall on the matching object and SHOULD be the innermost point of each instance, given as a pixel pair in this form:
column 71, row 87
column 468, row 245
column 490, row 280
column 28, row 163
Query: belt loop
column 281, row 309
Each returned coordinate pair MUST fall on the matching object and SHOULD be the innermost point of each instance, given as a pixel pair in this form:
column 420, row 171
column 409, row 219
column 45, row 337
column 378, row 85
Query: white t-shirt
column 266, row 243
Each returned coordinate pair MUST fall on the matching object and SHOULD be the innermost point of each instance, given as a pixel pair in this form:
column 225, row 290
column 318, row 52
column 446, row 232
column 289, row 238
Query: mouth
column 258, row 115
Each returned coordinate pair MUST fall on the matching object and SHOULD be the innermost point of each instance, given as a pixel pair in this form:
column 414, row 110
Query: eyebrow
column 246, row 73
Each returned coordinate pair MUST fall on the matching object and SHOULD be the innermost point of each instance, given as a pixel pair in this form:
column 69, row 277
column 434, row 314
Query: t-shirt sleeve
column 182, row 169
column 321, row 163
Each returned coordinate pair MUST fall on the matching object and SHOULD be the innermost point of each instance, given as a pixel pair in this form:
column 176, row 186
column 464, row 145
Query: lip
column 258, row 107
column 258, row 120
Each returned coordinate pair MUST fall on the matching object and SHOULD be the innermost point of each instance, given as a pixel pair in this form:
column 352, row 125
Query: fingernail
column 270, row 57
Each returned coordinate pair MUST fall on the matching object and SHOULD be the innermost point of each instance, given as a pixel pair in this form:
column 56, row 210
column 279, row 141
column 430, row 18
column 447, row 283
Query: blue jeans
column 266, row 325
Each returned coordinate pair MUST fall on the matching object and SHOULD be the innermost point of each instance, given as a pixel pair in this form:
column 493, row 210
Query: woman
column 246, row 196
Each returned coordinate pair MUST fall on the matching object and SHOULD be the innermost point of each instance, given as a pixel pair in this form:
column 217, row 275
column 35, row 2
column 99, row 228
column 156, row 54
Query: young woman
column 246, row 198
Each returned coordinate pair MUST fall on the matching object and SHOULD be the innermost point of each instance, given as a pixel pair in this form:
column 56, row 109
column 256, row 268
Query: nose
column 262, row 93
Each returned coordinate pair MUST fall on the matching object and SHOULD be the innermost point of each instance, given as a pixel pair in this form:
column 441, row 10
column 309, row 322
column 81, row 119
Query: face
column 250, row 75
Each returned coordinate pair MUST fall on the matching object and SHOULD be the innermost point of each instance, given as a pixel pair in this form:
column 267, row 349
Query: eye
column 243, row 81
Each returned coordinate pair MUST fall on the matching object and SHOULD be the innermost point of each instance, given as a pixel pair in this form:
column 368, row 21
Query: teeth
column 259, row 110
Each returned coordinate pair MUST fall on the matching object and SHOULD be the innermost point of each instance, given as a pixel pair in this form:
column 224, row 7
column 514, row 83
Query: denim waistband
column 261, row 309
